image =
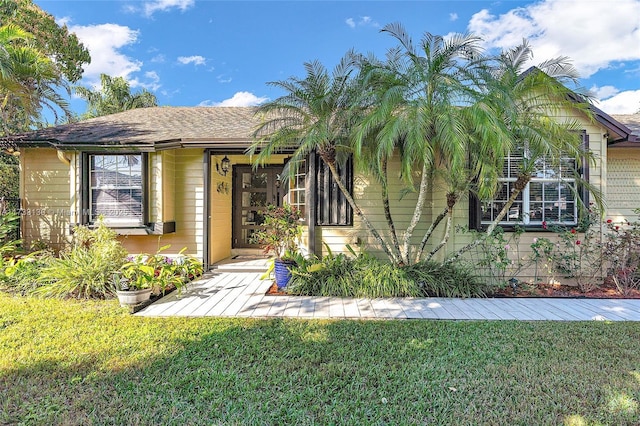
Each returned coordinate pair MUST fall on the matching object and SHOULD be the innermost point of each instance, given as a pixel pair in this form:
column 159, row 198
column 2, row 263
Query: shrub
column 280, row 232
column 622, row 255
column 20, row 275
column 358, row 275
column 8, row 225
column 158, row 272
column 447, row 280
column 85, row 270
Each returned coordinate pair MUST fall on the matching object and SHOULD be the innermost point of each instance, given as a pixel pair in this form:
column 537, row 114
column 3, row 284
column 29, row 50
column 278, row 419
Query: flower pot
column 282, row 272
column 133, row 297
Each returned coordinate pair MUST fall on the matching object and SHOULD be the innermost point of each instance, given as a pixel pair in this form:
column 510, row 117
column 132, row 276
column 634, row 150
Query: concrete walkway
column 242, row 294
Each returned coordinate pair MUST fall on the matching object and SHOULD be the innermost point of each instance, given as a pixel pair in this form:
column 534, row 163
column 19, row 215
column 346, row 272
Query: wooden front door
column 253, row 190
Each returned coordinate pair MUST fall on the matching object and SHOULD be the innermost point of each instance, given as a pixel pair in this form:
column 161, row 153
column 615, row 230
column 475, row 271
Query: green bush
column 20, row 275
column 340, row 275
column 8, row 224
column 447, row 280
column 84, row 271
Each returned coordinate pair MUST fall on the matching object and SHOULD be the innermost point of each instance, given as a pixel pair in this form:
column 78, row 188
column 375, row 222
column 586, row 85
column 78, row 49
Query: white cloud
column 363, row 21
column 240, row 99
column 159, row 58
column 627, row 102
column 604, row 91
column 453, row 17
column 103, row 42
column 196, row 60
column 223, row 79
column 152, row 82
column 150, row 7
column 593, row 34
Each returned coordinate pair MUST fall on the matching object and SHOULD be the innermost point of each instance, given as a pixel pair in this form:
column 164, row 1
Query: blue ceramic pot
column 283, row 274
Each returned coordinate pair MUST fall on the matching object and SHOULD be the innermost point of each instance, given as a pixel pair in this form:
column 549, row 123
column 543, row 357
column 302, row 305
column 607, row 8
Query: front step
column 242, row 264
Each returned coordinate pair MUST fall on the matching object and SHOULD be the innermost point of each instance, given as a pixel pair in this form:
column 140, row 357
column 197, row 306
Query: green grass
column 71, row 362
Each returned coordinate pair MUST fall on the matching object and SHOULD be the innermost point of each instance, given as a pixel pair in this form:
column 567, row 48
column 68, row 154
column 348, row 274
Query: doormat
column 250, row 256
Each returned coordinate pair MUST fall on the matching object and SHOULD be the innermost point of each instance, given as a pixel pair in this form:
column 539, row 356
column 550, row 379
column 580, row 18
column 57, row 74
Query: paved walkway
column 242, row 294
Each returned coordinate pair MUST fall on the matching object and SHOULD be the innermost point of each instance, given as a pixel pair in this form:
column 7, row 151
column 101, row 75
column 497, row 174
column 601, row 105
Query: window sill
column 528, row 228
column 159, row 228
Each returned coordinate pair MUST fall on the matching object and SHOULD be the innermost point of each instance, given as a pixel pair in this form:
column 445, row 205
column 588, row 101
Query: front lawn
column 70, row 362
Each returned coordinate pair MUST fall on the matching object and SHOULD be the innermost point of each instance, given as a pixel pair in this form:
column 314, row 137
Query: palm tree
column 28, row 82
column 114, row 96
column 315, row 114
column 420, row 115
column 525, row 101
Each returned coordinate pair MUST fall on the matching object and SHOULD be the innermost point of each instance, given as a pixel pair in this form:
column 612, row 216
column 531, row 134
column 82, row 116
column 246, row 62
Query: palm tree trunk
column 429, row 232
column 452, row 199
column 518, row 186
column 445, row 238
column 417, row 213
column 359, row 213
column 387, row 209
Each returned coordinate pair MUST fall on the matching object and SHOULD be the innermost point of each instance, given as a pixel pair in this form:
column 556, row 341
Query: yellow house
column 180, row 176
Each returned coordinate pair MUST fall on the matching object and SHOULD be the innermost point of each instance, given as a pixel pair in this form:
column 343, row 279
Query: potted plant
column 280, row 236
column 134, row 283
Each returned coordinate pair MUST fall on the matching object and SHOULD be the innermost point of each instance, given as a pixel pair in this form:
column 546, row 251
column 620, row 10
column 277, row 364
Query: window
column 550, row 196
column 296, row 196
column 115, row 189
column 332, row 208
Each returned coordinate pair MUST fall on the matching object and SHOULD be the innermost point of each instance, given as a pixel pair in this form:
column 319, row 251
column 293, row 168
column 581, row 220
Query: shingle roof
column 632, row 121
column 229, row 127
column 152, row 127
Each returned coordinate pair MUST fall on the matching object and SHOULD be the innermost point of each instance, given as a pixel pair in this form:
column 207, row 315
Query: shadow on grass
column 110, row 368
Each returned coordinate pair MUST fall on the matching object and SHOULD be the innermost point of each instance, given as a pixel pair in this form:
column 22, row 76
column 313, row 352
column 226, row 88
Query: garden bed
column 607, row 290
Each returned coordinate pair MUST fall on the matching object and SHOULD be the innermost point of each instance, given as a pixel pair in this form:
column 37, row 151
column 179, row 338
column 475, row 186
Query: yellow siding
column 44, row 188
column 168, row 185
column 155, row 187
column 597, row 176
column 367, row 194
column 623, row 183
column 189, row 202
column 220, row 202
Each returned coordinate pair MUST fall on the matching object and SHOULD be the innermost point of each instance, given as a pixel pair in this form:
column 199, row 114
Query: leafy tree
column 114, row 96
column 524, row 101
column 28, row 81
column 55, row 41
column 314, row 115
column 9, row 176
column 420, row 114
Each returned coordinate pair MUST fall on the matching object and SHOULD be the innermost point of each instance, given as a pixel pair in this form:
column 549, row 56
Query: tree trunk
column 417, row 213
column 358, row 211
column 452, row 199
column 445, row 238
column 387, row 210
column 429, row 232
column 518, row 186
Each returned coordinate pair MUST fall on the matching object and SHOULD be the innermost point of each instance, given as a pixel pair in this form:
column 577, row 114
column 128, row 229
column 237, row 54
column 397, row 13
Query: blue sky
column 213, row 53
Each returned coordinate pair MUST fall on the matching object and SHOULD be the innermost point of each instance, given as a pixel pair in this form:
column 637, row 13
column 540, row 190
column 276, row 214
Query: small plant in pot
column 134, row 283
column 280, row 235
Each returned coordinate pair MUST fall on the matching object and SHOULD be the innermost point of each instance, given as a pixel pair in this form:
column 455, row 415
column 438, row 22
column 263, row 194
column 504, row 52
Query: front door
column 253, row 190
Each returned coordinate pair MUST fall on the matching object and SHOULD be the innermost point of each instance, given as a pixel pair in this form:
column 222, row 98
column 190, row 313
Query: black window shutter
column 332, row 207
column 475, row 212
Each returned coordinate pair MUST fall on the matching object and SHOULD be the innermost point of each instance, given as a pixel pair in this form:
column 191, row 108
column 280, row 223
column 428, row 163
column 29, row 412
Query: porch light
column 223, row 167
